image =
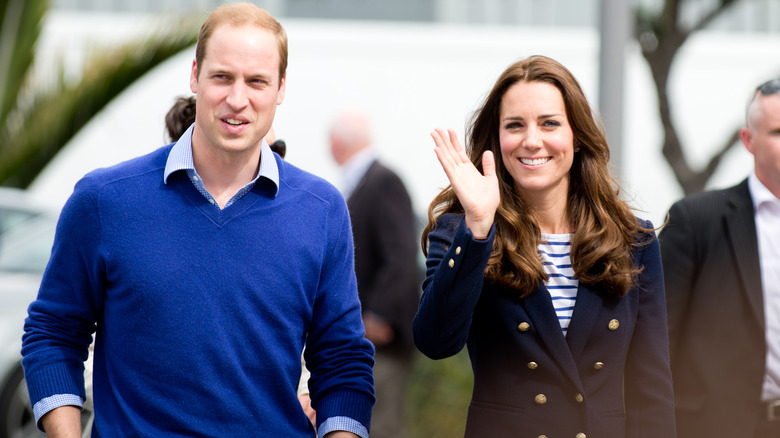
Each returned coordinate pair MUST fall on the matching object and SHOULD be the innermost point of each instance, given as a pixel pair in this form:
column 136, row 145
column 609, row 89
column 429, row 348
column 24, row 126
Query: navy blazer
column 716, row 313
column 608, row 378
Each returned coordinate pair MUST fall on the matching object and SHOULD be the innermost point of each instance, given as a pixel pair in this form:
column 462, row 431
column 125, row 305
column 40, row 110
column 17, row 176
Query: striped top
column 555, row 252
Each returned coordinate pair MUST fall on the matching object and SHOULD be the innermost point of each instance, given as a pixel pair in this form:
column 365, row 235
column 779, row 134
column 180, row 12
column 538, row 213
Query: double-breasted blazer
column 608, row 378
column 716, row 313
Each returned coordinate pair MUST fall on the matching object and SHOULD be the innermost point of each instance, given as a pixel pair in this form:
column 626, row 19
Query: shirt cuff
column 44, row 405
column 346, row 424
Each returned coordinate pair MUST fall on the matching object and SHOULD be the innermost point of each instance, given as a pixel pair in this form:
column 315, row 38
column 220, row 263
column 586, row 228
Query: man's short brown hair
column 242, row 14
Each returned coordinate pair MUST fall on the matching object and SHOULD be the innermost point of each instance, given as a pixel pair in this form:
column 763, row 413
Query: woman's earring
column 577, row 149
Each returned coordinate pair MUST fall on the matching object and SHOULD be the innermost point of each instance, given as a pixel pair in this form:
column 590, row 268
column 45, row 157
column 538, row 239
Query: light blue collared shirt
column 180, row 158
column 346, row 424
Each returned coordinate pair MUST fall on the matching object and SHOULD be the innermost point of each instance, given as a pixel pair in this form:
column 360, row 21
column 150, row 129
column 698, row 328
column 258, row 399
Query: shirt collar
column 353, row 170
column 180, row 158
column 759, row 192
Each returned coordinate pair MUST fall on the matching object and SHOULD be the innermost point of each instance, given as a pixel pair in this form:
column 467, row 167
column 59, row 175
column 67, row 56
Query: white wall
column 413, row 78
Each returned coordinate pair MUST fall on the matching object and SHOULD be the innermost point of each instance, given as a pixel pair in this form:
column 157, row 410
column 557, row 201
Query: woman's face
column 537, row 143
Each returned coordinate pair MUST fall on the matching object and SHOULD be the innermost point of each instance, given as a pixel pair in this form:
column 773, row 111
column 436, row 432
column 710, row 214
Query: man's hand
column 378, row 331
column 62, row 422
column 305, row 401
column 341, row 434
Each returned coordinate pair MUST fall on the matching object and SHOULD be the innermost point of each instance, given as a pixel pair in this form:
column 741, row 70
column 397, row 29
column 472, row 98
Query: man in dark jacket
column 388, row 274
column 721, row 259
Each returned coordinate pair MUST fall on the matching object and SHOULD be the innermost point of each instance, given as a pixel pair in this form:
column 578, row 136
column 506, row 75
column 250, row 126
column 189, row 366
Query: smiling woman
column 537, row 144
column 532, row 258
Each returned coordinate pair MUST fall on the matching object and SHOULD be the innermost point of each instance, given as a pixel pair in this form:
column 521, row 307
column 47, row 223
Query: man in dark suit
column 388, row 274
column 721, row 258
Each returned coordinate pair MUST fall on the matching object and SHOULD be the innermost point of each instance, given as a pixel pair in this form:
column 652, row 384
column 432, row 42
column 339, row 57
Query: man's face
column 238, row 88
column 762, row 139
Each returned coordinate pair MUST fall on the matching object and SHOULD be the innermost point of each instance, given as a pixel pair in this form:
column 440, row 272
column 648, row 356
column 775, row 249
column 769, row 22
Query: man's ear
column 747, row 138
column 282, row 90
column 194, row 77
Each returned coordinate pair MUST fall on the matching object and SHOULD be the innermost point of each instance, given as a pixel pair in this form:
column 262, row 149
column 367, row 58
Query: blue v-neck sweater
column 200, row 313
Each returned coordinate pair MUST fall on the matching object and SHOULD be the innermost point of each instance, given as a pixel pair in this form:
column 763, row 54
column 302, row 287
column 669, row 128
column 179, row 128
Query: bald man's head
column 350, row 133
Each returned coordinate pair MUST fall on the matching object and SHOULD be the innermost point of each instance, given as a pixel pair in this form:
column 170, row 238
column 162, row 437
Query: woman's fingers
column 459, row 151
column 477, row 192
column 448, row 142
column 463, row 175
column 445, row 152
column 489, row 164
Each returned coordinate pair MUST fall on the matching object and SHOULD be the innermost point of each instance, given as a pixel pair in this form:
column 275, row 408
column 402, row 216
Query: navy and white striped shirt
column 555, row 252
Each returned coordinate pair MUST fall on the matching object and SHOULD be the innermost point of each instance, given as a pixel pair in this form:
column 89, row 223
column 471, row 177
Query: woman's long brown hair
column 605, row 228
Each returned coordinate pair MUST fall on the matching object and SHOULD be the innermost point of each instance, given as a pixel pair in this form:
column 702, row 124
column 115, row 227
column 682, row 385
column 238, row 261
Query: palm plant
column 37, row 120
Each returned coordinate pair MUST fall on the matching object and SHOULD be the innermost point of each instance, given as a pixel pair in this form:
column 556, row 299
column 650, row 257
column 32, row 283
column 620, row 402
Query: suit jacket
column 386, row 249
column 716, row 317
column 608, row 378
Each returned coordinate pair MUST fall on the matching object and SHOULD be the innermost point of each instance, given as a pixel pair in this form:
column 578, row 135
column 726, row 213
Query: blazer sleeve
column 454, row 277
column 678, row 256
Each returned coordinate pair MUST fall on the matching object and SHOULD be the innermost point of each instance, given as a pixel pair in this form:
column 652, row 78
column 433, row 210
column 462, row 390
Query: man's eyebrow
column 264, row 76
column 217, row 71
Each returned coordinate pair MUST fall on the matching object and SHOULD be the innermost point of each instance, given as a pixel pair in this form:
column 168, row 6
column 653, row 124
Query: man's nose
column 237, row 96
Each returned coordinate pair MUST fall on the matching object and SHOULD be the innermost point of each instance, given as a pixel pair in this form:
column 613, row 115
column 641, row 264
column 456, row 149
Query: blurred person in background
column 721, row 257
column 180, row 117
column 388, row 276
column 536, row 264
column 203, row 269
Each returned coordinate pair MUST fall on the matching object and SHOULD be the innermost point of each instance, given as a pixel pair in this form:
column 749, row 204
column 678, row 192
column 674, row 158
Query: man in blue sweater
column 203, row 269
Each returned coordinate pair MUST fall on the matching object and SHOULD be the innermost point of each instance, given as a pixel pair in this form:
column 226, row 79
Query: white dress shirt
column 354, row 169
column 767, row 212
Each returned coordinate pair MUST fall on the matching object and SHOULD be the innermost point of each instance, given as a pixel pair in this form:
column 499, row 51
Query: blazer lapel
column 741, row 230
column 542, row 314
column 586, row 310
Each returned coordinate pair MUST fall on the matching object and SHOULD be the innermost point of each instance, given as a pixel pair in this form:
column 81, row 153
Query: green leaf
column 20, row 26
column 41, row 123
